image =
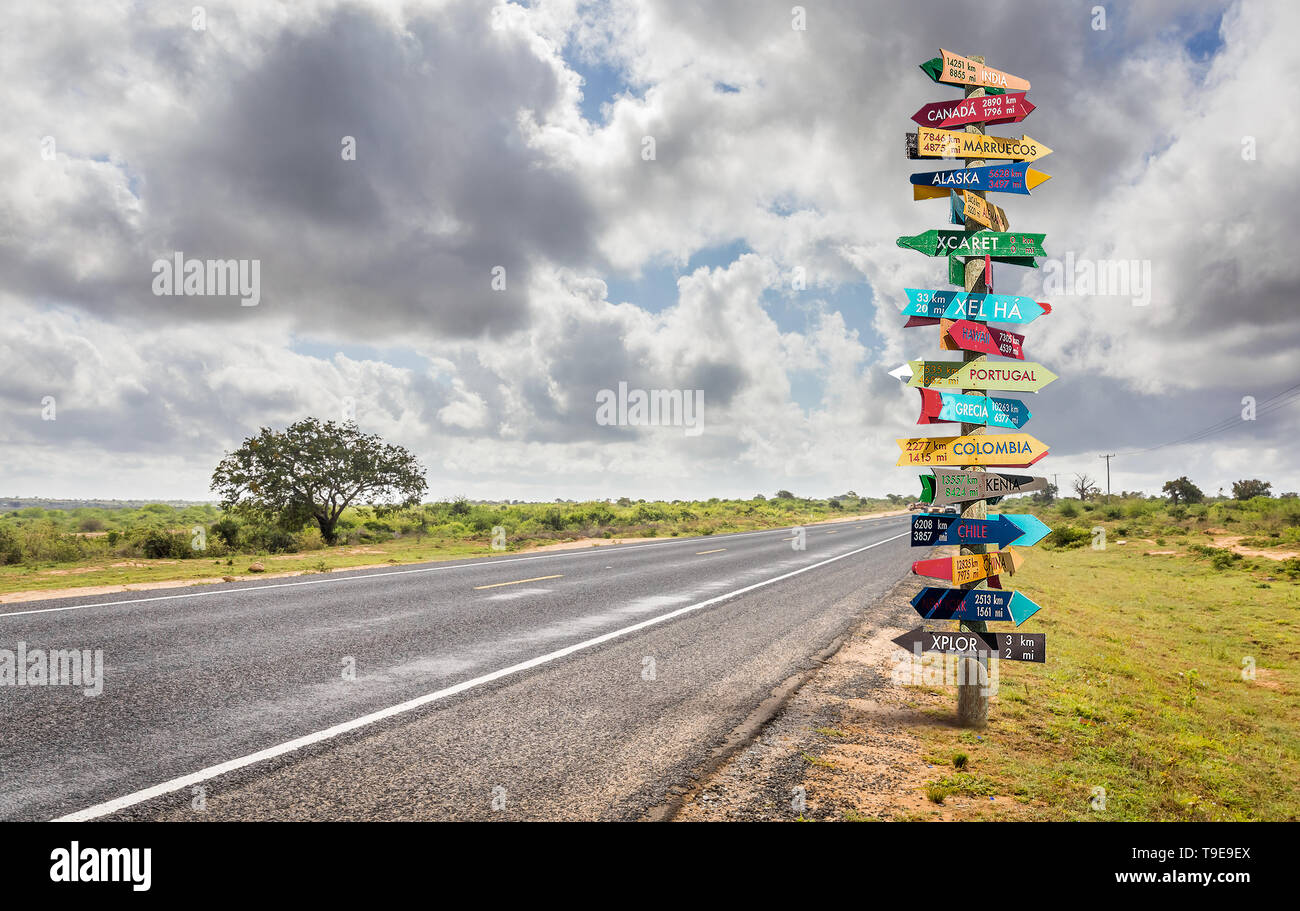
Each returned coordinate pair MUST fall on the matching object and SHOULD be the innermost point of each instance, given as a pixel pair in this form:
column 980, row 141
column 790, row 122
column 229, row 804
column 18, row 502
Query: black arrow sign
column 1009, row 646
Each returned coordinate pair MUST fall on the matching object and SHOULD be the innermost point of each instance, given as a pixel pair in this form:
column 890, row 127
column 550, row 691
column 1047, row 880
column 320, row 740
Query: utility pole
column 1107, row 458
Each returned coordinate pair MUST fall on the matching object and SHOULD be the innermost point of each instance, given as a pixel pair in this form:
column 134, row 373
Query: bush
column 1068, row 536
column 11, row 551
column 1069, row 510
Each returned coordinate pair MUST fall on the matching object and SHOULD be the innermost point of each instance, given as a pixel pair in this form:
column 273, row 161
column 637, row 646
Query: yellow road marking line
column 518, row 581
column 830, row 532
column 700, row 553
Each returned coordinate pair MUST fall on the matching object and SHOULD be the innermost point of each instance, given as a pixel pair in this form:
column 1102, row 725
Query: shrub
column 1068, row 536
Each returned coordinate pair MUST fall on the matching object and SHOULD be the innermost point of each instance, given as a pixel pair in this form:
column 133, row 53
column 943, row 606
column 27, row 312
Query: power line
column 1269, row 405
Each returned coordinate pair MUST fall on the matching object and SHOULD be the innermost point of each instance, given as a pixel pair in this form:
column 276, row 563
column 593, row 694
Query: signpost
column 973, row 604
column 953, row 407
column 976, row 643
column 1017, row 248
column 953, row 485
column 929, row 142
column 997, row 178
column 955, row 391
column 1015, row 450
column 1011, row 107
column 930, row 529
column 1026, row 376
column 1002, row 308
column 958, row 70
column 969, row 567
column 969, row 336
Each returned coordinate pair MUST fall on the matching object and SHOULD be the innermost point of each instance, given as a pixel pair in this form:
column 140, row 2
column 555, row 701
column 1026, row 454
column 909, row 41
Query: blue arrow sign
column 972, row 409
column 1034, row 530
column 999, row 308
column 973, row 604
column 998, row 178
column 929, row 529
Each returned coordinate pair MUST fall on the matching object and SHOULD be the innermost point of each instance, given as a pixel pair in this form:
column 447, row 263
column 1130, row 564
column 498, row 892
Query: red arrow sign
column 987, row 339
column 1012, row 107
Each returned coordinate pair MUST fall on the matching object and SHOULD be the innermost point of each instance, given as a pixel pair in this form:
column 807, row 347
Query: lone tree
column 1084, row 486
column 1181, row 490
column 1245, row 490
column 313, row 471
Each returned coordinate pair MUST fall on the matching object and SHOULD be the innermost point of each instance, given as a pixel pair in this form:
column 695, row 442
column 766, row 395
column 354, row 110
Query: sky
column 503, row 246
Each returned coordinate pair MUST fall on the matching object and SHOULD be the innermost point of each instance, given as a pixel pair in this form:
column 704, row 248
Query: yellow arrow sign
column 1014, row 450
column 969, row 567
column 935, row 143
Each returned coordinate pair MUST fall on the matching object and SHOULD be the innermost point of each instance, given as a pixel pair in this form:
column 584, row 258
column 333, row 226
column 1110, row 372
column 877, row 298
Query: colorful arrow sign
column 973, row 605
column 1015, row 247
column 952, row 485
column 1023, row 377
column 1002, row 308
column 929, row 142
column 955, row 69
column 994, row 178
column 955, row 408
column 965, row 335
column 1008, row 646
column 1011, row 107
column 1032, row 527
column 931, row 530
column 1014, row 450
column 964, row 568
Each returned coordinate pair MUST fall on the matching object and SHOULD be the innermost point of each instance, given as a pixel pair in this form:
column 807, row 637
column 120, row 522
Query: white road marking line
column 700, row 553
column 290, row 746
column 397, row 572
column 518, row 581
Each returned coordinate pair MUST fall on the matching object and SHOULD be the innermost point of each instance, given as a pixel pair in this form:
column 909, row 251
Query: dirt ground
column 845, row 746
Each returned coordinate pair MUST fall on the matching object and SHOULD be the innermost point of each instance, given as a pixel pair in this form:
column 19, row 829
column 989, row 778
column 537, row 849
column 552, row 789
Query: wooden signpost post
column 955, row 391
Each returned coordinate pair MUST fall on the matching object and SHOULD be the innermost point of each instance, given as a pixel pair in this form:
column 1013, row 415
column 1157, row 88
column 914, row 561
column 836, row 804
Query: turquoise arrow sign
column 1000, row 308
column 954, row 407
column 1015, row 247
column 1033, row 528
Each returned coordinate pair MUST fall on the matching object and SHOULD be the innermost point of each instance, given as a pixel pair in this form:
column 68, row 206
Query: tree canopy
column 312, row 471
column 1181, row 490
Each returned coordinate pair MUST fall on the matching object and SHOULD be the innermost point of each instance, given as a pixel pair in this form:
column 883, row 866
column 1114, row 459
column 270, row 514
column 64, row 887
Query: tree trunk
column 327, row 529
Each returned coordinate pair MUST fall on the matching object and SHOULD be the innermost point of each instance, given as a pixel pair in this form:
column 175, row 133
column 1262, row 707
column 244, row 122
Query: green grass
column 1142, row 694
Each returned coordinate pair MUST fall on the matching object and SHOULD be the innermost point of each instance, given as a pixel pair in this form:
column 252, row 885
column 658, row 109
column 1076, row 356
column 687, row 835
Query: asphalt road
column 586, row 684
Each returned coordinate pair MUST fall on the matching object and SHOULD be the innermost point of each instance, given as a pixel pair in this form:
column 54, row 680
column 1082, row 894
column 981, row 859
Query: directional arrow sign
column 955, row 408
column 955, row 69
column 1008, row 646
column 955, row 375
column 952, row 485
column 1015, row 247
column 981, row 210
column 966, row 568
column 973, row 605
column 970, row 336
column 929, row 530
column 1011, row 107
column 1015, row 450
column 1003, row 308
column 1032, row 528
column 996, row 178
column 935, row 143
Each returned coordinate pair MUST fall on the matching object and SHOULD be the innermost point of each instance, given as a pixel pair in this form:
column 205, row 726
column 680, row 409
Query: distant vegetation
column 37, row 536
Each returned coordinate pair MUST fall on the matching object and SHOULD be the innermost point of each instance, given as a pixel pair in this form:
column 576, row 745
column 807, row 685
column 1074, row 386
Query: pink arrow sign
column 987, row 339
column 1012, row 107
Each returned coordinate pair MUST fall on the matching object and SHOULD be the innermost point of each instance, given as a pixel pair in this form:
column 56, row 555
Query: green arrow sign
column 1015, row 247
